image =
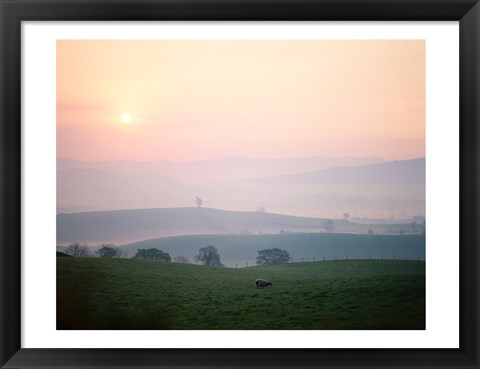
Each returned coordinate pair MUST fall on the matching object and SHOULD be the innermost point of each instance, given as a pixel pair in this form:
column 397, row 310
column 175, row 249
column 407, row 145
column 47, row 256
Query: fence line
column 346, row 257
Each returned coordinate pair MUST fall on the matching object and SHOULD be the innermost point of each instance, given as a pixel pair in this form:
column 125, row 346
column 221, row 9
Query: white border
column 38, row 184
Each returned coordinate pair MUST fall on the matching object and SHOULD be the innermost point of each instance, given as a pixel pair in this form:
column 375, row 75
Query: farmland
column 97, row 293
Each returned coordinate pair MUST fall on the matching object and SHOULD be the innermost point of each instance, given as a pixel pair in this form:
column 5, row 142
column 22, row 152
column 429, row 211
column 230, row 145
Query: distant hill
column 392, row 189
column 223, row 168
column 383, row 190
column 240, row 249
column 114, row 185
column 405, row 176
column 126, row 226
column 123, row 226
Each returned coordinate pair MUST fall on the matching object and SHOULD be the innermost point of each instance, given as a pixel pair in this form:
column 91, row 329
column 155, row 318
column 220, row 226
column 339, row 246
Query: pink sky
column 193, row 100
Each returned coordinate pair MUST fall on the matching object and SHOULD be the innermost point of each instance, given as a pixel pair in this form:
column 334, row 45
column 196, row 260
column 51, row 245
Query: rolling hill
column 223, row 168
column 237, row 235
column 242, row 249
column 122, row 226
column 405, row 177
column 390, row 189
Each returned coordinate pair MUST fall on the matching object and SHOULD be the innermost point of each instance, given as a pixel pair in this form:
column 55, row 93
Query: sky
column 185, row 100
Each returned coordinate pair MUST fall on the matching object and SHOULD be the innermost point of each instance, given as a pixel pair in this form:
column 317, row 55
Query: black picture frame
column 13, row 12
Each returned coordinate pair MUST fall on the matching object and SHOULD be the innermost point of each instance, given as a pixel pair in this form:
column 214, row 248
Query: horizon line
column 239, row 156
column 222, row 210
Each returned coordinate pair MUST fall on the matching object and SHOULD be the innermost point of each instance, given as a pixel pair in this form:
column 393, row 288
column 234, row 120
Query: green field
column 96, row 293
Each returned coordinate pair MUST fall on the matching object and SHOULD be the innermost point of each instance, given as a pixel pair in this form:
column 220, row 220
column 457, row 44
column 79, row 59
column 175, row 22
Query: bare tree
column 198, row 201
column 77, row 250
column 182, row 259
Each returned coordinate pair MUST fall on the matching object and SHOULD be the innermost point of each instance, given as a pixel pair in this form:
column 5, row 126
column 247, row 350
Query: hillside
column 406, row 177
column 298, row 186
column 223, row 168
column 242, row 249
column 134, row 294
column 123, row 226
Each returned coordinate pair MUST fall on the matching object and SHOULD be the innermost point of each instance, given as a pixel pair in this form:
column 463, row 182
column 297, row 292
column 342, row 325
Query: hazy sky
column 191, row 100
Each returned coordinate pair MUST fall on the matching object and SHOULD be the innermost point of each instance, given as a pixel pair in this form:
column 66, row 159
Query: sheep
column 261, row 283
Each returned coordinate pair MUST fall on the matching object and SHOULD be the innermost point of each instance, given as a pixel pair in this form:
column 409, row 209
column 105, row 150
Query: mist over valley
column 312, row 187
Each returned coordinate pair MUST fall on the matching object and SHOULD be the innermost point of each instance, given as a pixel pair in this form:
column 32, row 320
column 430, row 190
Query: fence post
column 323, row 257
column 314, row 258
column 236, row 266
column 247, row 264
column 302, row 260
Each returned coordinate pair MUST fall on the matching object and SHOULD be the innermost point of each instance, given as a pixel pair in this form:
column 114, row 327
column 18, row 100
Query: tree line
column 208, row 255
column 106, row 250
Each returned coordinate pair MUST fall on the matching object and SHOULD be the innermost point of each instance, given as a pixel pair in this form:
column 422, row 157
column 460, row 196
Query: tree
column 329, row 225
column 198, row 201
column 182, row 259
column 208, row 256
column 152, row 254
column 346, row 216
column 77, row 250
column 261, row 209
column 108, row 250
column 273, row 256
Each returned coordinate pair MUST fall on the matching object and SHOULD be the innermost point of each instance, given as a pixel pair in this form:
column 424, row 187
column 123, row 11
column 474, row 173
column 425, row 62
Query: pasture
column 96, row 293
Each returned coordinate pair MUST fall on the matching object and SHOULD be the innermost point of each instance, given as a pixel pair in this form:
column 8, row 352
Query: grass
column 95, row 293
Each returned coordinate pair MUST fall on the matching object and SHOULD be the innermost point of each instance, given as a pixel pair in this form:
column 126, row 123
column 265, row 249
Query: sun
column 127, row 118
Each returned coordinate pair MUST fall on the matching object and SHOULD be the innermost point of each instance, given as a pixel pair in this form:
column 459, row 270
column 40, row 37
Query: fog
column 311, row 187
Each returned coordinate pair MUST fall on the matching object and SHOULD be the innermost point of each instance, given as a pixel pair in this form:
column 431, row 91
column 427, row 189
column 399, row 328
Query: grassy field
column 94, row 293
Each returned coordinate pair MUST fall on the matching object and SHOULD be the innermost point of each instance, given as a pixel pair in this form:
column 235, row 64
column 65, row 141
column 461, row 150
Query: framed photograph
column 239, row 184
